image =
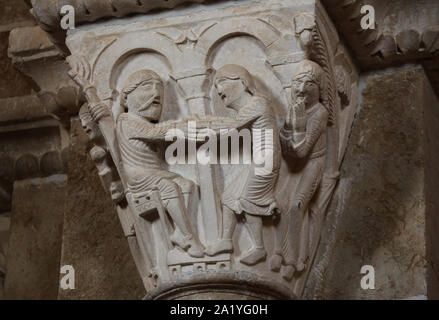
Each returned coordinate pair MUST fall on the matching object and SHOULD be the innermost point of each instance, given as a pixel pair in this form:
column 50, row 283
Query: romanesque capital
column 163, row 95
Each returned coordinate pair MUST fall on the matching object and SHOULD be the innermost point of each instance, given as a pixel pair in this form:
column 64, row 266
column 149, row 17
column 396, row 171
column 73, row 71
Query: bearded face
column 146, row 100
column 305, row 89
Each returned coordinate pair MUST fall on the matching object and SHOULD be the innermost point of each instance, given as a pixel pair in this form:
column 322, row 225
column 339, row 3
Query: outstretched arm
column 191, row 128
column 217, row 124
column 81, row 73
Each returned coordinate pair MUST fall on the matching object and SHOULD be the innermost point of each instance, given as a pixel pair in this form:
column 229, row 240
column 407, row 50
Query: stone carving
column 257, row 71
column 139, row 135
column 303, row 136
column 251, row 195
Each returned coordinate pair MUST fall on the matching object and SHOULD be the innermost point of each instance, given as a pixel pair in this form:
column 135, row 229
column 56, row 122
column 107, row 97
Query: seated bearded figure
column 141, row 138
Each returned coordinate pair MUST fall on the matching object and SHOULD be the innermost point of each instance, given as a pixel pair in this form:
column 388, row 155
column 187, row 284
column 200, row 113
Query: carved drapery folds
column 273, row 67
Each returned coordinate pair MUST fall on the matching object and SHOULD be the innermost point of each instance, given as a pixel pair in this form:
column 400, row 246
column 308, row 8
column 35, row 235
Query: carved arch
column 127, row 45
column 238, row 26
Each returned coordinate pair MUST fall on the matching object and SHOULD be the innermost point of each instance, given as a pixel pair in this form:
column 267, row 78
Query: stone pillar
column 384, row 213
column 36, row 228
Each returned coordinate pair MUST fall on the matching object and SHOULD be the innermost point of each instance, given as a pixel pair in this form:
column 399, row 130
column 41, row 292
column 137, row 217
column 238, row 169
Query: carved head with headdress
column 90, row 127
column 142, row 95
column 308, row 83
column 231, row 81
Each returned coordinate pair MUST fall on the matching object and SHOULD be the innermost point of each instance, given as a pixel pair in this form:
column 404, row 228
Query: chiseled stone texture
column 13, row 13
column 431, row 115
column 378, row 216
column 93, row 240
column 12, row 83
column 5, row 221
column 32, row 269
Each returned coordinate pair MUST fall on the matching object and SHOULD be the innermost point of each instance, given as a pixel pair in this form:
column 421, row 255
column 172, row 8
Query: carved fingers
column 99, row 111
column 299, row 116
column 289, row 119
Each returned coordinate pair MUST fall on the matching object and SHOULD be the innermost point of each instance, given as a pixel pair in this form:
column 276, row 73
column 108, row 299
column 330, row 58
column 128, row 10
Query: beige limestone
column 226, row 68
column 187, row 49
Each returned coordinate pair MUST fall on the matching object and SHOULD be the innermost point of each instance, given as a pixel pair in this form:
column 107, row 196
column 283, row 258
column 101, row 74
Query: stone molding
column 404, row 33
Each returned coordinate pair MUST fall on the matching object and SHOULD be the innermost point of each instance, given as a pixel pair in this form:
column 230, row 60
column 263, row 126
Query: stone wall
column 12, row 84
column 36, row 229
column 93, row 241
column 385, row 195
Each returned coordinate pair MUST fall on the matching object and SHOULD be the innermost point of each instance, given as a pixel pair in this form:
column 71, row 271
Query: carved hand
column 299, row 116
column 98, row 111
column 80, row 71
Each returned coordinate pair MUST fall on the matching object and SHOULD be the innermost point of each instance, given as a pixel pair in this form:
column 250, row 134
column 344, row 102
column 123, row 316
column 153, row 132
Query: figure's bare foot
column 178, row 239
column 222, row 246
column 254, row 256
column 288, row 272
column 196, row 249
column 275, row 262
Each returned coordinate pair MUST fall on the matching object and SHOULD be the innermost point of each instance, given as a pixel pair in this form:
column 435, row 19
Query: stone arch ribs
column 237, row 26
column 114, row 54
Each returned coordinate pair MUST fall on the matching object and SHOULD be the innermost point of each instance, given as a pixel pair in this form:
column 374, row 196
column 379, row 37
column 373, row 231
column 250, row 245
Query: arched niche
column 113, row 56
column 243, row 25
column 250, row 52
column 144, row 59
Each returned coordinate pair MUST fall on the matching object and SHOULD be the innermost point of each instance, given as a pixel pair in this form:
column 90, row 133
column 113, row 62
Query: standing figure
column 250, row 195
column 302, row 137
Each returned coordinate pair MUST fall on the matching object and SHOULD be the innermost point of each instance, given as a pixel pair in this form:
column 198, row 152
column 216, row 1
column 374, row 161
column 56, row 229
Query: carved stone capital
column 275, row 65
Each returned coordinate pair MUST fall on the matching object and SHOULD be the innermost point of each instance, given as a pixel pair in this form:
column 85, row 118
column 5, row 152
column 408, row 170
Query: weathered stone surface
column 379, row 215
column 431, row 116
column 405, row 30
column 12, row 83
column 21, row 109
column 35, row 238
column 14, row 13
column 93, row 241
column 5, row 222
column 32, row 40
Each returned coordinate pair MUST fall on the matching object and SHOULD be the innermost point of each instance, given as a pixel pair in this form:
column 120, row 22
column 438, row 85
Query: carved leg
column 304, row 242
column 176, row 210
column 257, row 253
column 280, row 237
column 291, row 241
column 225, row 244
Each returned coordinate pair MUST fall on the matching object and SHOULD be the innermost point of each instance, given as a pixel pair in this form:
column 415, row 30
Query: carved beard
column 300, row 100
column 148, row 109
